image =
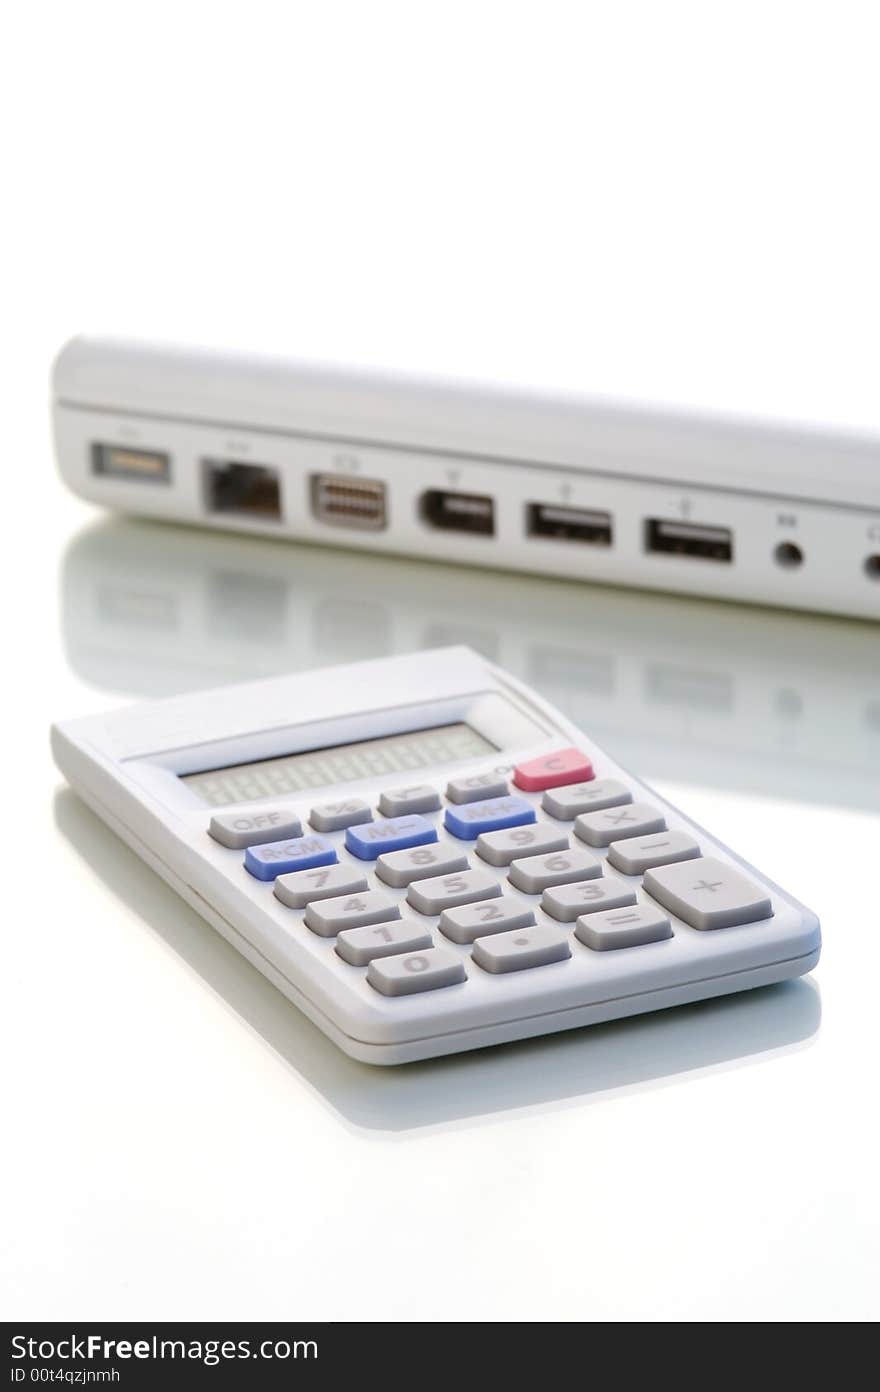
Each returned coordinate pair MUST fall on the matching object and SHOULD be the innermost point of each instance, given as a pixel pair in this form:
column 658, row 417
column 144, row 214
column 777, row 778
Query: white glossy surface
column 176, row 1121
column 589, row 212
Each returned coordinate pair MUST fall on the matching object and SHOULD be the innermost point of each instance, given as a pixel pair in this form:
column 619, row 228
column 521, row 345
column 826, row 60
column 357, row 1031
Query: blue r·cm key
column 280, row 857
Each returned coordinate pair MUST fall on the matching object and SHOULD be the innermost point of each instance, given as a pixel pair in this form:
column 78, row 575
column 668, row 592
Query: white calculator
column 426, row 857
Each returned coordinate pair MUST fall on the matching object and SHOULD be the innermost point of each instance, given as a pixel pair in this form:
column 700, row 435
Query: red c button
column 553, row 771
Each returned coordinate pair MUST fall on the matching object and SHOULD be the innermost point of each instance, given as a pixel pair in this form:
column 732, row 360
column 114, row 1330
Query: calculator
column 426, row 857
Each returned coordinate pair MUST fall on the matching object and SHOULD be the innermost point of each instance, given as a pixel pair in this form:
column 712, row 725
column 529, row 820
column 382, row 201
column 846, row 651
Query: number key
column 568, row 902
column 359, row 946
column 328, row 917
column 400, row 868
column 501, row 847
column 448, row 891
column 537, row 873
column 472, row 921
column 416, row 971
column 301, row 887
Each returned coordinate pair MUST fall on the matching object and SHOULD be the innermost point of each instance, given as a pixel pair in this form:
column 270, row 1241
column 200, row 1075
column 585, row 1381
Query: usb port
column 349, row 502
column 688, row 539
column 121, row 462
column 458, row 512
column 245, row 490
column 591, row 527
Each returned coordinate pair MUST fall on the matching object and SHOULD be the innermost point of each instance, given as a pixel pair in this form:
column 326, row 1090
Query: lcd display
column 341, row 763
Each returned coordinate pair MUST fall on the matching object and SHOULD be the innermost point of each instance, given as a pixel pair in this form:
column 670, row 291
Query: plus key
column 708, row 894
column 553, row 770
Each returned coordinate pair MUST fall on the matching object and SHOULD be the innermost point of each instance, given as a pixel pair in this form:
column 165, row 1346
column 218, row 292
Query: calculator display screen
column 343, row 763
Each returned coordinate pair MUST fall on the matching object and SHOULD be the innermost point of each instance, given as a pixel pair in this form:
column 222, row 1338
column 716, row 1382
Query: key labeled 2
column 473, row 921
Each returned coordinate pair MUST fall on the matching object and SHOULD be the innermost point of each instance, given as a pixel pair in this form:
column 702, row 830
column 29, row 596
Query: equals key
column 629, row 927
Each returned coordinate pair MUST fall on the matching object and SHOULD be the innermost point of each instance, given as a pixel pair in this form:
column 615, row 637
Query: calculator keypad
column 449, row 891
column 395, row 846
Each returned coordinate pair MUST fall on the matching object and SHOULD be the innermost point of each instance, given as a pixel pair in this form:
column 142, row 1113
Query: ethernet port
column 243, row 490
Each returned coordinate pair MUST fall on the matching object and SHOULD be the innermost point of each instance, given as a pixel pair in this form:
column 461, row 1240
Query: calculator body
column 261, row 764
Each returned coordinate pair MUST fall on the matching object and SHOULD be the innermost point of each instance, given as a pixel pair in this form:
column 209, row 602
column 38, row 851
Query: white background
column 674, row 202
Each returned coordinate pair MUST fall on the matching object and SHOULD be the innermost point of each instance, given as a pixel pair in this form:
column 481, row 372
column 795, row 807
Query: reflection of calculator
column 426, row 857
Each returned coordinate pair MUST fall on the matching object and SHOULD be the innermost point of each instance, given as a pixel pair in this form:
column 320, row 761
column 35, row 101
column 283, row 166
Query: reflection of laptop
column 781, row 704
column 480, row 476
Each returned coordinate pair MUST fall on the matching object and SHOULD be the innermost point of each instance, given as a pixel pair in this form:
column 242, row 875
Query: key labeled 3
column 568, row 902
